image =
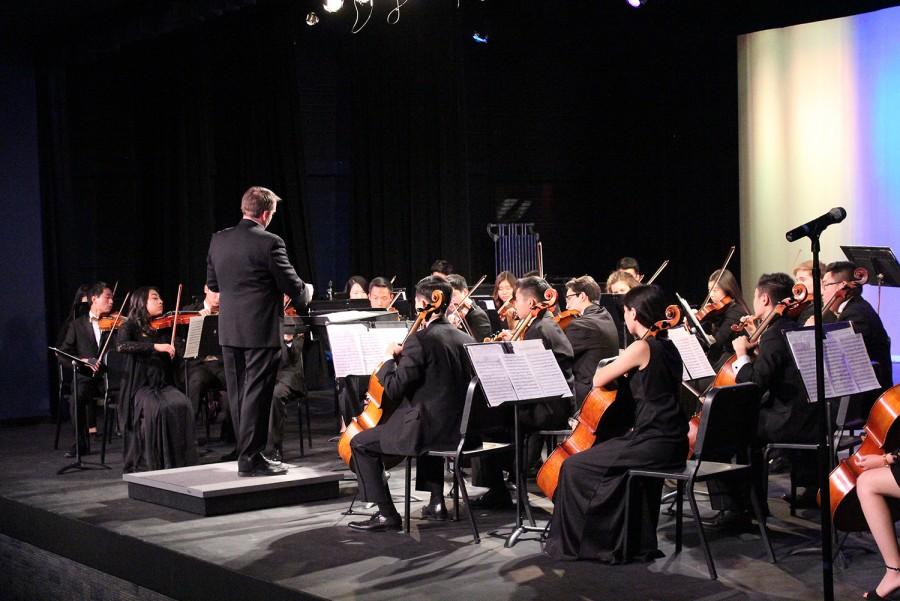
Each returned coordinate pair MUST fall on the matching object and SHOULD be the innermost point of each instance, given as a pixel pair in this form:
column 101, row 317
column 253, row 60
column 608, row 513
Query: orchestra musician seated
column 803, row 274
column 428, row 376
column 621, row 281
column 504, row 287
column 497, row 424
column 631, row 266
column 356, row 288
column 718, row 323
column 593, row 335
column 588, row 519
column 289, row 385
column 380, row 293
column 84, row 339
column 878, row 488
column 441, row 268
column 155, row 418
column 477, row 323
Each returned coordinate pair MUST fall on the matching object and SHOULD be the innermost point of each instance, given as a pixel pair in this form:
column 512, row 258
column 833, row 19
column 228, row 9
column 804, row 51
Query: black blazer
column 479, row 323
column 429, row 380
column 593, row 337
column 878, row 344
column 250, row 267
column 785, row 414
column 80, row 341
column 719, row 326
column 548, row 331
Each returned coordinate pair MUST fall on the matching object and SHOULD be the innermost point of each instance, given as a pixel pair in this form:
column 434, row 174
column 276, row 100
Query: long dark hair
column 503, row 276
column 356, row 279
column 137, row 307
column 648, row 302
column 729, row 285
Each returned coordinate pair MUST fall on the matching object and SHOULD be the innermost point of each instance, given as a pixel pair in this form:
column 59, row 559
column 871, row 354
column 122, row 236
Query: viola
column 881, row 435
column 713, row 308
column 376, row 408
column 726, row 375
column 847, row 290
column 550, row 299
column 590, row 418
column 564, row 318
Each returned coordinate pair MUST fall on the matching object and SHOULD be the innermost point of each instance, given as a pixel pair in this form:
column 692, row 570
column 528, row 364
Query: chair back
column 728, row 423
column 467, row 412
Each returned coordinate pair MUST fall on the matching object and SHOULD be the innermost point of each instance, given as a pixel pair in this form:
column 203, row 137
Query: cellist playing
column 428, row 375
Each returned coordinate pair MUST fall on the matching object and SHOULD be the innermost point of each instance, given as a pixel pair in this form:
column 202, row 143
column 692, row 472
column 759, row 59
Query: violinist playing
column 725, row 308
column 156, row 419
column 589, row 504
column 477, row 322
column 487, row 471
column 84, row 339
column 428, row 375
column 504, row 287
column 593, row 334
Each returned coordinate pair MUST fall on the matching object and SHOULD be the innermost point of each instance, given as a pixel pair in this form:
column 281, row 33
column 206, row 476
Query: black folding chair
column 727, row 429
column 455, row 458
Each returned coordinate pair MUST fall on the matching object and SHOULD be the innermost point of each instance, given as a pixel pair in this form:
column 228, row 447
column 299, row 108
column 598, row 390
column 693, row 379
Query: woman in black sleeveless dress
column 589, row 505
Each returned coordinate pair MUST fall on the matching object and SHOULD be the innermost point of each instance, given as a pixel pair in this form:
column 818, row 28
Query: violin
column 166, row 321
column 713, row 308
column 111, row 322
column 590, row 418
column 507, row 312
column 376, row 409
column 881, row 433
column 565, row 318
column 726, row 375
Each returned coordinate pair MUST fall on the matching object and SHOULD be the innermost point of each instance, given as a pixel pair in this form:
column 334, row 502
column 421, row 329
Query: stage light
column 636, row 3
column 332, row 6
column 311, row 18
column 481, row 38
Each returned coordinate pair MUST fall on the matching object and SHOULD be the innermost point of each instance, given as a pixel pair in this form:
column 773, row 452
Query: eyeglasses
column 568, row 296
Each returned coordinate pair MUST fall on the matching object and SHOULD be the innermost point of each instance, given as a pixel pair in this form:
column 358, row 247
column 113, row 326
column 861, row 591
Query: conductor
column 250, row 268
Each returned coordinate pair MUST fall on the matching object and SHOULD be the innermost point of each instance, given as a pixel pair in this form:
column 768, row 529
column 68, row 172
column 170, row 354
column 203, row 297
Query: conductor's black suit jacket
column 250, row 267
column 429, row 380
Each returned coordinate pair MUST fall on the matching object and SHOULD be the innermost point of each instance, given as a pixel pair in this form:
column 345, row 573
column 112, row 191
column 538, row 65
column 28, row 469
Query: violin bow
column 175, row 318
column 658, row 271
column 718, row 277
column 471, row 291
column 394, row 300
column 540, row 259
column 115, row 287
column 113, row 329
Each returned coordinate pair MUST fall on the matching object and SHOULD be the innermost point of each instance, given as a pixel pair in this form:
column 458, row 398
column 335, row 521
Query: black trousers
column 204, row 376
column 89, row 389
column 369, row 468
column 250, row 380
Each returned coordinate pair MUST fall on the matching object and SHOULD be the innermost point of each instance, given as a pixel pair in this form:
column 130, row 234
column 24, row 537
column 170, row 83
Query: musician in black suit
column 84, row 339
column 867, row 322
column 477, row 323
column 250, row 268
column 428, row 375
column 593, row 335
column 289, row 385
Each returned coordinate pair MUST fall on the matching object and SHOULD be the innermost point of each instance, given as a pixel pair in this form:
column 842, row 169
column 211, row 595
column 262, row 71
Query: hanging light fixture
column 312, row 18
column 332, row 6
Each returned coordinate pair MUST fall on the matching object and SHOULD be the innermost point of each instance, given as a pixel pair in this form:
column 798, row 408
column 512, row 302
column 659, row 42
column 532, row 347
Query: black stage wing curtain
column 147, row 149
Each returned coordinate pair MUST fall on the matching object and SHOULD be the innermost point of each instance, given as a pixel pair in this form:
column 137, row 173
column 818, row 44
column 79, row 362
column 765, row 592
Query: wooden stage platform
column 80, row 536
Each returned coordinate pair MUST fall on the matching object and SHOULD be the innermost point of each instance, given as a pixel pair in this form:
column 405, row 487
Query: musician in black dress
column 589, row 503
column 718, row 325
column 428, row 375
column 878, row 488
column 83, row 339
column 477, row 322
column 250, row 267
column 155, row 418
column 593, row 334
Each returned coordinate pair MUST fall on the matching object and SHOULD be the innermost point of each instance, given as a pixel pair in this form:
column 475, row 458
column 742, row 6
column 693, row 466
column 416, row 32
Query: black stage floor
column 307, row 551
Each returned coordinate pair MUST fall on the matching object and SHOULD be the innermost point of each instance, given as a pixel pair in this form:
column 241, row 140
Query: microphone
column 817, row 225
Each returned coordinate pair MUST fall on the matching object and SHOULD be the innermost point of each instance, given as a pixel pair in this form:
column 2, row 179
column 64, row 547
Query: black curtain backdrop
column 146, row 151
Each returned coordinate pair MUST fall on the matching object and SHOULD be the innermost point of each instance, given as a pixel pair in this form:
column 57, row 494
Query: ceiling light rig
column 636, row 3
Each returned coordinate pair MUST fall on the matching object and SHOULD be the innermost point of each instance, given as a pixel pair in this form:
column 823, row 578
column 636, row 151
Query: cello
column 375, row 409
column 726, row 375
column 590, row 418
column 881, row 435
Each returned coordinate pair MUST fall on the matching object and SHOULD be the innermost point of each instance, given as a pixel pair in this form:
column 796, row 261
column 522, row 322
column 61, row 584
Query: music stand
column 880, row 262
column 78, row 464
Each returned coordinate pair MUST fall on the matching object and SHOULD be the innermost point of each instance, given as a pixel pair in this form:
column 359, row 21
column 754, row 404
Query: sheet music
column 803, row 346
column 548, row 374
column 837, row 370
column 528, row 346
column 345, row 316
column 523, row 380
column 860, row 365
column 375, row 343
column 694, row 360
column 488, row 362
column 346, row 350
column 195, row 332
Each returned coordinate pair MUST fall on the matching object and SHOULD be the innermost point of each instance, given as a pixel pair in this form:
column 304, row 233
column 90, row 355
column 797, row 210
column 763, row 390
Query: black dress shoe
column 263, row 468
column 493, row 499
column 232, row 456
column 273, row 457
column 378, row 523
column 435, row 513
